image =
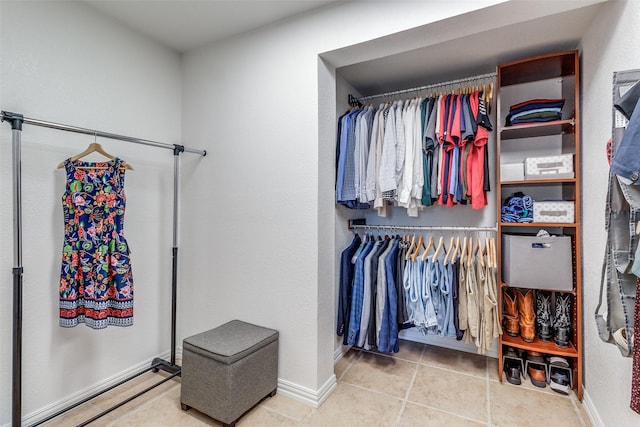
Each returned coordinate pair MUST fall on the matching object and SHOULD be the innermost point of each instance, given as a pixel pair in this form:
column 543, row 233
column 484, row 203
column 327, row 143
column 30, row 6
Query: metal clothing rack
column 421, row 228
column 355, row 224
column 429, row 86
column 17, row 121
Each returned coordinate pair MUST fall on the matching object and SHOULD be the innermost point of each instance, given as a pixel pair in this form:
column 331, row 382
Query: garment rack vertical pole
column 17, row 121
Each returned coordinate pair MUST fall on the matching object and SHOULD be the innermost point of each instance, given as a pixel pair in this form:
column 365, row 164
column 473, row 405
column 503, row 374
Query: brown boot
column 527, row 315
column 511, row 325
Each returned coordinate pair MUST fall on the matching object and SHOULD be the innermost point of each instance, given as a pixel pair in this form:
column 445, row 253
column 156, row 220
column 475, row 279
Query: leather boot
column 511, row 325
column 562, row 320
column 527, row 315
column 543, row 315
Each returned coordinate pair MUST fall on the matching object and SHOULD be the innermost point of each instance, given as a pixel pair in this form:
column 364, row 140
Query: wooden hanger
column 470, row 251
column 438, row 249
column 97, row 148
column 463, row 251
column 449, row 251
column 456, row 251
column 487, row 251
column 410, row 250
column 430, row 243
column 489, row 97
column 480, row 251
column 494, row 254
column 417, row 250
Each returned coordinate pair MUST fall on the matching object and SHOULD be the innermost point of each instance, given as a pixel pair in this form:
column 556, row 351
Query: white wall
column 259, row 224
column 262, row 212
column 63, row 62
column 609, row 45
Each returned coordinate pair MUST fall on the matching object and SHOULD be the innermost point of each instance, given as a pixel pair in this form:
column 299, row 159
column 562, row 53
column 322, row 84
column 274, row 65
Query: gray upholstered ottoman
column 228, row 370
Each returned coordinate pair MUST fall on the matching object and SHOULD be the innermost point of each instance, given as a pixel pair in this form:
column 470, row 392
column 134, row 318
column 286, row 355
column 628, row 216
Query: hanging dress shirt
column 357, row 296
column 346, row 278
column 367, row 296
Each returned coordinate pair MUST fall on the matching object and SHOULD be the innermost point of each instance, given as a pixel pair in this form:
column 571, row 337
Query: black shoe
column 560, row 375
column 543, row 315
column 562, row 320
column 513, row 371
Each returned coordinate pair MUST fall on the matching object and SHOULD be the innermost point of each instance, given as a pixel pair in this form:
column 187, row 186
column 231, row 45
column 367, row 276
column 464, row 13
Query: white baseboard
column 306, row 395
column 313, row 398
column 339, row 352
column 594, row 416
column 179, row 352
column 65, row 402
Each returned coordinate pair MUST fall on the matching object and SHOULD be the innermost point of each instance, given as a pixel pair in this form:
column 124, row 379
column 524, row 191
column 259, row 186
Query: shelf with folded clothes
column 539, row 345
column 531, row 130
column 543, row 205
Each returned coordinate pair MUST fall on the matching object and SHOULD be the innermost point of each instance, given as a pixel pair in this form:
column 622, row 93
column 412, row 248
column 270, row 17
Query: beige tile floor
column 419, row 386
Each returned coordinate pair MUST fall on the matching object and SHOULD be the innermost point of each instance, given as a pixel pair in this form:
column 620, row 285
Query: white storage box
column 549, row 167
column 537, row 262
column 554, row 211
column 511, row 172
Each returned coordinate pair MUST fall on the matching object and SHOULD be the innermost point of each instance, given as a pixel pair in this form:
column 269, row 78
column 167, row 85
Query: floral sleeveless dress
column 96, row 285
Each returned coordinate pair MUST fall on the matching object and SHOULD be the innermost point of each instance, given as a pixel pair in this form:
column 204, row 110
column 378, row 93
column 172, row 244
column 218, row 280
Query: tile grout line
column 547, row 391
column 349, row 365
column 578, row 412
column 374, row 391
column 279, row 413
column 420, row 362
column 444, row 411
column 391, row 355
column 489, row 420
column 139, row 408
column 454, row 371
column 406, row 395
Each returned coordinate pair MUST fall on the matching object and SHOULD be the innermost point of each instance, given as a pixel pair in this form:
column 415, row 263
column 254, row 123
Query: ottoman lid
column 231, row 342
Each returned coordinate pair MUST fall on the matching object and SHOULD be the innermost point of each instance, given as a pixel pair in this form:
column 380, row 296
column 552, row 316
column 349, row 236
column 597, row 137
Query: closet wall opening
column 450, row 57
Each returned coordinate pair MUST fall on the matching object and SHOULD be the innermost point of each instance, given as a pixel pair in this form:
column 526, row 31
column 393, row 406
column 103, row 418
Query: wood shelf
column 506, row 285
column 540, row 181
column 541, row 346
column 542, row 67
column 531, row 130
column 539, row 224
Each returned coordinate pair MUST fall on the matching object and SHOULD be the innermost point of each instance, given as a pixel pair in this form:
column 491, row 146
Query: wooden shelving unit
column 531, row 130
column 555, row 75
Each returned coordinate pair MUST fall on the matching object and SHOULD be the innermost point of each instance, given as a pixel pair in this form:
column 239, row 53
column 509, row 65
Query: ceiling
column 470, row 55
column 183, row 25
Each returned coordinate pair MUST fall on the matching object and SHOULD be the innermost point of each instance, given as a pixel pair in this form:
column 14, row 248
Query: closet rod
column 420, row 228
column 9, row 116
column 431, row 86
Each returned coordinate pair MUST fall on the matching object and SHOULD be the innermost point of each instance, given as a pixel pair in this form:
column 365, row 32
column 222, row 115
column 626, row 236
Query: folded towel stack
column 535, row 110
column 517, row 208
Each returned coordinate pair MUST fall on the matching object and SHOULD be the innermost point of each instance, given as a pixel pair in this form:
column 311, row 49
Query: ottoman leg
column 273, row 393
column 233, row 424
column 184, row 406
